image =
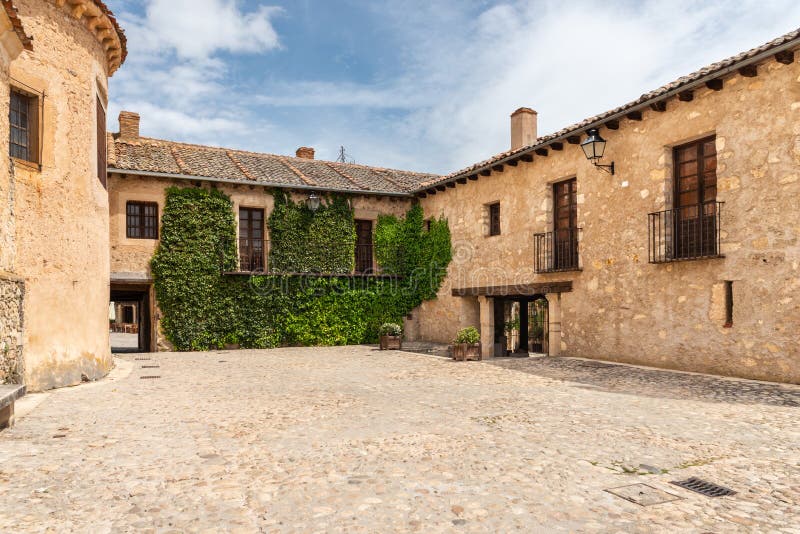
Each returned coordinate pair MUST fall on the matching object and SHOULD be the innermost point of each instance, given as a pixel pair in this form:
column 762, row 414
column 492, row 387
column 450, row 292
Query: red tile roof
column 185, row 160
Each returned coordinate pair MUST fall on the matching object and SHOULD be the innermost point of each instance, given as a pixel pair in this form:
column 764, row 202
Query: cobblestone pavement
column 351, row 439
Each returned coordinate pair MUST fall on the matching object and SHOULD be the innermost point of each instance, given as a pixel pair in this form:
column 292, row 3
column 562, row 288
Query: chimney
column 128, row 126
column 305, row 152
column 523, row 128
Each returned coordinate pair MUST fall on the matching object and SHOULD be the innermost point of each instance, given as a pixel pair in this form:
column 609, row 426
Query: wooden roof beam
column 660, row 106
column 462, row 180
column 498, row 168
column 749, row 71
column 715, row 84
column 574, row 139
column 686, row 96
column 441, row 187
column 422, row 194
column 541, row 151
column 451, row 184
column 512, row 163
column 475, row 176
column 527, row 158
column 484, row 172
column 634, row 115
column 612, row 124
column 785, row 56
column 557, row 146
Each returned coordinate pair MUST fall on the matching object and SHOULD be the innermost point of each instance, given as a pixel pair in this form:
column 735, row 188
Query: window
column 364, row 247
column 728, row 303
column 695, row 195
column 142, row 220
column 565, row 225
column 102, row 162
column 251, row 239
column 494, row 219
column 24, row 127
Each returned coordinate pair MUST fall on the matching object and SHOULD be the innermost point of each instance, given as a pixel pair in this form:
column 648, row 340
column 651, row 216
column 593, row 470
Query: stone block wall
column 11, row 364
column 621, row 307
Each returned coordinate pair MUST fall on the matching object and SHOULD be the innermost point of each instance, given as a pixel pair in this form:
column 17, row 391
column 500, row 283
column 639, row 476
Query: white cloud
column 196, row 29
column 462, row 69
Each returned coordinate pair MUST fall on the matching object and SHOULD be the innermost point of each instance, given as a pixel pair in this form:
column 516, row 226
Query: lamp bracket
column 608, row 168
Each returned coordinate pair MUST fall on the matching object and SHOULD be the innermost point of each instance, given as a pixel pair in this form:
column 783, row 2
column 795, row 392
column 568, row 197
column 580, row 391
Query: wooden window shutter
column 102, row 159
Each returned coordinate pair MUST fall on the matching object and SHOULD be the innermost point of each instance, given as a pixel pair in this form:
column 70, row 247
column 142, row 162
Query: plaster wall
column 623, row 308
column 61, row 208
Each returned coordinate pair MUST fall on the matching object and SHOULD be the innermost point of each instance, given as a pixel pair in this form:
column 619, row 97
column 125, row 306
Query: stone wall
column 133, row 255
column 621, row 307
column 11, row 362
column 61, row 208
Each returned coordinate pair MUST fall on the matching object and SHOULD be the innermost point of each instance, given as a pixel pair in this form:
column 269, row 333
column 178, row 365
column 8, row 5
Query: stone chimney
column 128, row 126
column 305, row 152
column 523, row 128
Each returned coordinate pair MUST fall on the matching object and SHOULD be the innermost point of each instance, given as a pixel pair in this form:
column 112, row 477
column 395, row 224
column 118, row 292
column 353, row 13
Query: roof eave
column 623, row 111
column 278, row 185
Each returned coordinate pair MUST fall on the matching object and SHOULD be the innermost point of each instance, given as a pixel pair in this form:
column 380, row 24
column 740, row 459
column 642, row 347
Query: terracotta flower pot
column 391, row 342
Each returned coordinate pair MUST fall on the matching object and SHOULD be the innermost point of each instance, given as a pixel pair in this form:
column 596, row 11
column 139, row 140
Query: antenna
column 344, row 157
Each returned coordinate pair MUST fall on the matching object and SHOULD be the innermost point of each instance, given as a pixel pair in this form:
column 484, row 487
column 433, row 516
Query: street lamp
column 594, row 147
column 313, row 201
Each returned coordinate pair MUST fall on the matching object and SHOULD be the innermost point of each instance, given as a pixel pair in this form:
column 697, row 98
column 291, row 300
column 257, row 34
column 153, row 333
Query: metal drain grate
column 140, row 359
column 151, row 367
column 709, row 489
column 145, row 377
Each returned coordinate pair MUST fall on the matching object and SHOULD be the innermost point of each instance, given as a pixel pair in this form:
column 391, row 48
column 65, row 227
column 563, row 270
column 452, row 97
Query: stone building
column 141, row 169
column 677, row 248
column 53, row 197
column 687, row 256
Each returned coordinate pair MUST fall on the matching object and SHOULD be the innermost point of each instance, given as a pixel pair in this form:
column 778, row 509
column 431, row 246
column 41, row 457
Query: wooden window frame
column 493, row 211
column 141, row 227
column 695, row 225
column 565, row 239
column 252, row 248
column 32, row 128
column 728, row 304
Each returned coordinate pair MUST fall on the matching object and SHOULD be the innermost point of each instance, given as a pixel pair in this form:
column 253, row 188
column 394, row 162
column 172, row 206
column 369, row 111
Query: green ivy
column 303, row 241
column 202, row 308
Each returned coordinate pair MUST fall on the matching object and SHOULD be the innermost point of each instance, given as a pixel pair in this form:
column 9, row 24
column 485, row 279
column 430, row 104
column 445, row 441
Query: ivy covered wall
column 202, row 308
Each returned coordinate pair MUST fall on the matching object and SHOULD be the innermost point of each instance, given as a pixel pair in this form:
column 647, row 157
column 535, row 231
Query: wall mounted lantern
column 594, row 147
column 313, row 201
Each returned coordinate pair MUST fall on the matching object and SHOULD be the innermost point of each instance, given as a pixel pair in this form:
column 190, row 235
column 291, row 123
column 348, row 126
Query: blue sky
column 425, row 85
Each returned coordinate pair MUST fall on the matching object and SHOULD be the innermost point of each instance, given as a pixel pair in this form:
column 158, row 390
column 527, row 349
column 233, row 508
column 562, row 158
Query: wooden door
column 251, row 239
column 695, row 195
column 364, row 247
column 565, row 223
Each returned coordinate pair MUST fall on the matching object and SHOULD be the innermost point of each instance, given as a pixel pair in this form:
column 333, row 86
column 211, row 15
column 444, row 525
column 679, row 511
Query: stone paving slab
column 351, row 439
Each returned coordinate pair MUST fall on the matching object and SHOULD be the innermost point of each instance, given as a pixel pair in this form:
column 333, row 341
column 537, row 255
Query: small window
column 728, row 303
column 494, row 219
column 24, row 127
column 142, row 220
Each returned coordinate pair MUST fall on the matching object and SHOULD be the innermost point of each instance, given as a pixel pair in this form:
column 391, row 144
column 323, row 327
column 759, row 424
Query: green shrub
column 391, row 329
column 468, row 335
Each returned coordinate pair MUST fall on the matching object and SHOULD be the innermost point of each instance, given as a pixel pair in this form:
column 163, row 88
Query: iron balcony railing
column 254, row 257
column 557, row 251
column 685, row 233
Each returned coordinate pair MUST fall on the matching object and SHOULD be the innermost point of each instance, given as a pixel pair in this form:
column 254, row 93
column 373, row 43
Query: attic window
column 494, row 219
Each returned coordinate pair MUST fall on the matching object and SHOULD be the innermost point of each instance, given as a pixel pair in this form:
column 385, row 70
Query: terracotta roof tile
column 11, row 11
column 168, row 157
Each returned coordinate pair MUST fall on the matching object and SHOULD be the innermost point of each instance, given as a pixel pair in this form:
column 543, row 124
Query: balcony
column 255, row 256
column 685, row 233
column 557, row 251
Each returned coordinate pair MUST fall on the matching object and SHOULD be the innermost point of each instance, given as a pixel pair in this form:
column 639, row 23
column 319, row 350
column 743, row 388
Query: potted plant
column 391, row 336
column 467, row 344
